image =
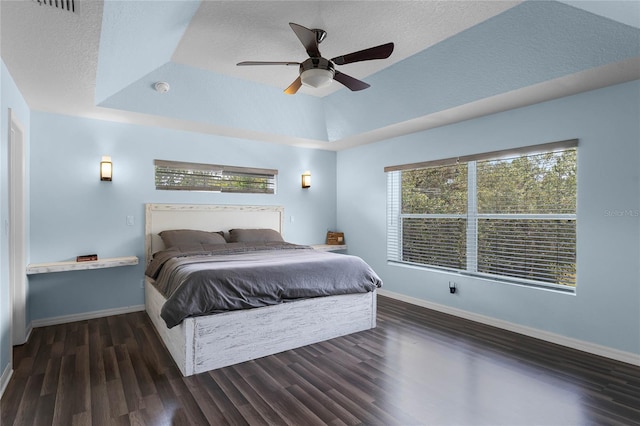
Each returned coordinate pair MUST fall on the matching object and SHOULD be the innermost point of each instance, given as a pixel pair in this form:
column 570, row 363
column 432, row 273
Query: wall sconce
column 306, row 179
column 106, row 168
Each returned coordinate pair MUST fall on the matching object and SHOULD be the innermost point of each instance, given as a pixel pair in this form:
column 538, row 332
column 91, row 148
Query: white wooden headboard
column 206, row 217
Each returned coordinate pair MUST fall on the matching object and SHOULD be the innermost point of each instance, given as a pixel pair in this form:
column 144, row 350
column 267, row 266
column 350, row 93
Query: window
column 179, row 176
column 503, row 215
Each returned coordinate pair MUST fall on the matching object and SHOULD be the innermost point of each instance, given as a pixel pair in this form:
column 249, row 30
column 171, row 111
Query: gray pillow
column 189, row 237
column 254, row 236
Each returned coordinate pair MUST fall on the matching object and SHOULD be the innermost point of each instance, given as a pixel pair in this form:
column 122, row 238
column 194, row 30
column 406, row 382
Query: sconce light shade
column 106, row 169
column 306, row 179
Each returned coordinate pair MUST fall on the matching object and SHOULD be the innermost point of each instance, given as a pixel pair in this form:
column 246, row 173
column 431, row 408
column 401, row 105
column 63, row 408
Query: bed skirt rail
column 209, row 342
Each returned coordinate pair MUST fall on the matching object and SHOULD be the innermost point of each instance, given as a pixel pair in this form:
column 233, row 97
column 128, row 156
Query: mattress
column 203, row 280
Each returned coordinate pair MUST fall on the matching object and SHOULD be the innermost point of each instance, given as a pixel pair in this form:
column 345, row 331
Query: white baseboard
column 5, row 377
column 85, row 316
column 28, row 332
column 570, row 342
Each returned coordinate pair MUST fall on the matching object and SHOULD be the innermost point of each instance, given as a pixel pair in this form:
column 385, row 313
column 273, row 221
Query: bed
column 207, row 342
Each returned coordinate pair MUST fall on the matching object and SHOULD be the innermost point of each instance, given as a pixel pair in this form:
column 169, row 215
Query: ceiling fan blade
column 351, row 83
column 308, row 39
column 293, row 87
column 378, row 52
column 265, row 63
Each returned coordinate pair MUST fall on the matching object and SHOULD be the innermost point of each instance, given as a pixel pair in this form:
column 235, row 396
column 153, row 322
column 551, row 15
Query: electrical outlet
column 452, row 287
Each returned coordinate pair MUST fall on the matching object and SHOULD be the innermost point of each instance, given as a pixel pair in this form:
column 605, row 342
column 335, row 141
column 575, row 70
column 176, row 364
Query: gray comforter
column 211, row 279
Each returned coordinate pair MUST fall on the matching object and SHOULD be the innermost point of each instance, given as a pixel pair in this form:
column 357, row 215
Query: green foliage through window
column 435, row 190
column 510, row 217
column 538, row 183
column 173, row 175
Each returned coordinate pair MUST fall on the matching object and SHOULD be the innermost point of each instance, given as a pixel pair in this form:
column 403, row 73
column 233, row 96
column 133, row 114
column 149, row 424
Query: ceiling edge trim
column 592, row 79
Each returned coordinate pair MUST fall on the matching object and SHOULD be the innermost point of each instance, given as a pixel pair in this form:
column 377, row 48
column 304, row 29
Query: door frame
column 17, row 230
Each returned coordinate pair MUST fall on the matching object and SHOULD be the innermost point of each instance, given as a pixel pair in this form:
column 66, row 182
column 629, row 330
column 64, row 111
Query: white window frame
column 395, row 217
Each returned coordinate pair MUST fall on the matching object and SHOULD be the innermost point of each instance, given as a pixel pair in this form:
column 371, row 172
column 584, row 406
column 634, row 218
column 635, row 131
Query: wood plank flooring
column 417, row 367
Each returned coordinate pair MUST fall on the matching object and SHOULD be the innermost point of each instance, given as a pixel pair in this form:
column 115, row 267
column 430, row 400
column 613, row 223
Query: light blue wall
column 533, row 42
column 207, row 97
column 73, row 213
column 10, row 98
column 606, row 307
column 126, row 32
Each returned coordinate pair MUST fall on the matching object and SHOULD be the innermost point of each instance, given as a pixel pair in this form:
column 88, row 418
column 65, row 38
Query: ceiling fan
column 319, row 72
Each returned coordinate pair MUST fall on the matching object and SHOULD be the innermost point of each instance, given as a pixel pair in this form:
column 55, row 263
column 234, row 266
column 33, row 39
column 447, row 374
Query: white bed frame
column 208, row 342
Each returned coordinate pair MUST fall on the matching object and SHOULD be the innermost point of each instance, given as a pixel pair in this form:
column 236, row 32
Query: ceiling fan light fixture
column 317, row 77
column 317, row 71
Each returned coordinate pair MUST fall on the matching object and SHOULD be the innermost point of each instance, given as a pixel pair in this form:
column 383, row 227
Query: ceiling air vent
column 68, row 5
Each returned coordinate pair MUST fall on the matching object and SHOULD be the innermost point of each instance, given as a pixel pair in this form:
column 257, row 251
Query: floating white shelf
column 45, row 268
column 329, row 247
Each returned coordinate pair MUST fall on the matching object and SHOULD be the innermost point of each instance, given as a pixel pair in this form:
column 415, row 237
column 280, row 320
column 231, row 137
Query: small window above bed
column 181, row 176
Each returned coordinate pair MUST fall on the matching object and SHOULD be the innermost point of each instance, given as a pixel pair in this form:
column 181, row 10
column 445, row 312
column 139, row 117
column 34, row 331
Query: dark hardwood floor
column 417, row 367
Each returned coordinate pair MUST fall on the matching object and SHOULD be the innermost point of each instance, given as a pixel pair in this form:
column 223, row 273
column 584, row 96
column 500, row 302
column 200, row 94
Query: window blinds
column 173, row 175
column 510, row 216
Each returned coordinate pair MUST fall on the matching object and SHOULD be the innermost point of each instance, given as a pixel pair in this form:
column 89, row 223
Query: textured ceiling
column 453, row 60
column 231, row 32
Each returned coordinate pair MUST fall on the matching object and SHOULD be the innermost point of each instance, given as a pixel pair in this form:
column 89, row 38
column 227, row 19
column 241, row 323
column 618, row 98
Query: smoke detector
column 162, row 87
